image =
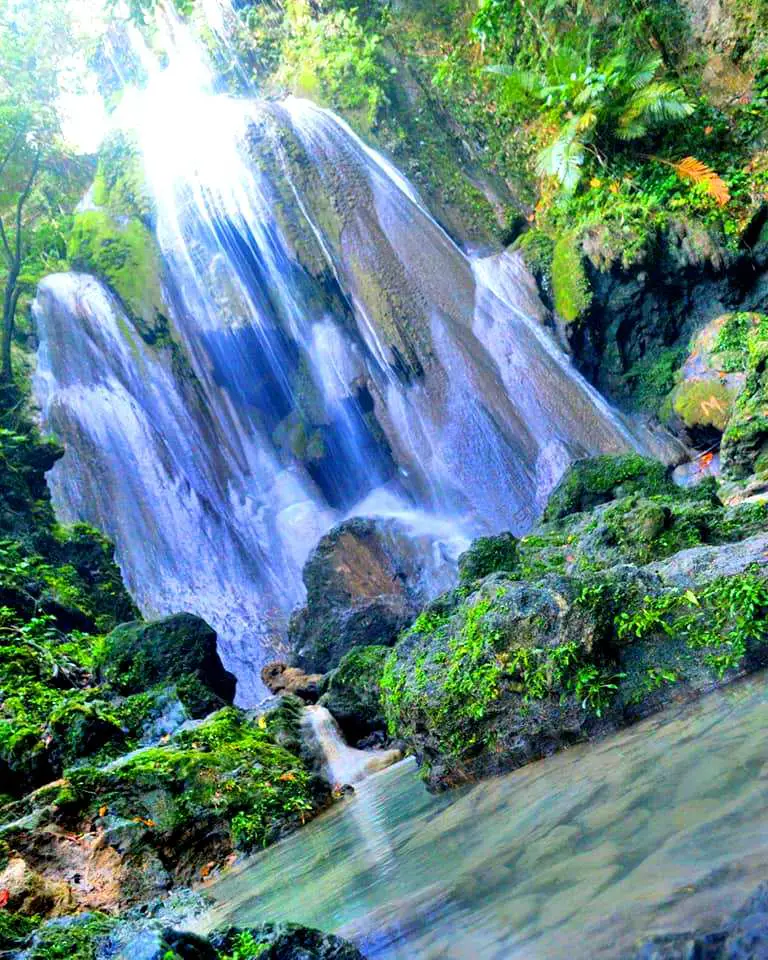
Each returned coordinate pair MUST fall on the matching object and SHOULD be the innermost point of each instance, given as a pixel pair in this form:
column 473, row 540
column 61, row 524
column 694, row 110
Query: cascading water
column 333, row 350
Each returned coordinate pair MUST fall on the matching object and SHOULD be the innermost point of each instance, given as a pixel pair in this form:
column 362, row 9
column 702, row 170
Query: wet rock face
column 743, row 937
column 136, row 656
column 366, row 581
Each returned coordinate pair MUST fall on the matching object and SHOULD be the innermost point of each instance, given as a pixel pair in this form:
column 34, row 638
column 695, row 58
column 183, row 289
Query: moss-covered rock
column 570, row 285
column 123, row 253
column 353, row 693
column 589, row 482
column 488, row 555
column 136, row 656
column 283, row 941
column 600, row 617
column 745, row 441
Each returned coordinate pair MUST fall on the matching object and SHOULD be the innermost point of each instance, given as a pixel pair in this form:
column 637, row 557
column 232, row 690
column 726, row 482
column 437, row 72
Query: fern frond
column 689, row 168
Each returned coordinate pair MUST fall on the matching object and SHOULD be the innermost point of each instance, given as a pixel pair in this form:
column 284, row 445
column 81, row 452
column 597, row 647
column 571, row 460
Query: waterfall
column 333, row 352
column 343, row 764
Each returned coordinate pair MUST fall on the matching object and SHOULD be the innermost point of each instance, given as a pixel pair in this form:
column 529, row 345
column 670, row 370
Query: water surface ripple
column 661, row 828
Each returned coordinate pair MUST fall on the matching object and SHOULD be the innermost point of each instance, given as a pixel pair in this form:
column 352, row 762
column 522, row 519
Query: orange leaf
column 103, row 811
column 5, row 896
column 692, row 169
column 287, row 776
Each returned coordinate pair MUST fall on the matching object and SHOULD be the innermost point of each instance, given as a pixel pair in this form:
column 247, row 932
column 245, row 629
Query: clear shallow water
column 662, row 828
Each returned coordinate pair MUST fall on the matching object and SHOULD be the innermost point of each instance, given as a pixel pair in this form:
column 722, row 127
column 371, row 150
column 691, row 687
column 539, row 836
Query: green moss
column 15, row 929
column 651, row 379
column 488, row 555
column 71, row 938
column 125, row 255
column 703, row 403
column 180, row 649
column 230, row 771
column 589, row 482
column 119, row 185
column 570, row 285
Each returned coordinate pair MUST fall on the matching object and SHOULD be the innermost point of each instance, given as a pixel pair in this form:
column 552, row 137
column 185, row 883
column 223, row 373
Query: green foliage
column 245, row 946
column 570, row 285
column 745, row 440
column 333, row 58
column 652, row 378
column 593, row 105
column 488, row 555
column 78, row 938
column 39, row 175
column 15, row 929
column 725, row 619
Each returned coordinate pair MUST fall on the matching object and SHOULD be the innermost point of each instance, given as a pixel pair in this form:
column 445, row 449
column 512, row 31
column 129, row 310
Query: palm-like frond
column 657, row 102
column 645, row 72
column 563, row 159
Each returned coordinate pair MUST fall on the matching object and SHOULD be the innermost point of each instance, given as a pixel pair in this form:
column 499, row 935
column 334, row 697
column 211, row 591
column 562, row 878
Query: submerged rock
column 366, row 580
column 286, row 941
column 743, row 937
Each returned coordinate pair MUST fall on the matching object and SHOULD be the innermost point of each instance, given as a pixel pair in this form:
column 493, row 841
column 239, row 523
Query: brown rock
column 279, row 678
column 30, row 893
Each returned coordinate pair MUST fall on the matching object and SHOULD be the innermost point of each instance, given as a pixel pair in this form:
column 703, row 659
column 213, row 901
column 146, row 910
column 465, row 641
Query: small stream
column 661, row 828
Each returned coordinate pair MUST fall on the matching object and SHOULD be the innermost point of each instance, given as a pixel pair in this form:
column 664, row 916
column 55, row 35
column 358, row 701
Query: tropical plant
column 39, row 178
column 594, row 106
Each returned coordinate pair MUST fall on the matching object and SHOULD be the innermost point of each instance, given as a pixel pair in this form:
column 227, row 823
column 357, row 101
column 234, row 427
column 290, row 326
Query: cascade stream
column 334, row 353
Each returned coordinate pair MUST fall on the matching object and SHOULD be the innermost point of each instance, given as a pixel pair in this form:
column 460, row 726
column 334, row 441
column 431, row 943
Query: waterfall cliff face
column 333, row 353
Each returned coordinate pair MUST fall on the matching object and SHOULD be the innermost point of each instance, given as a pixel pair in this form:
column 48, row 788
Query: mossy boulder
column 744, row 449
column 607, row 613
column 570, row 284
column 353, row 693
column 136, row 656
column 234, row 782
column 488, row 555
column 599, row 479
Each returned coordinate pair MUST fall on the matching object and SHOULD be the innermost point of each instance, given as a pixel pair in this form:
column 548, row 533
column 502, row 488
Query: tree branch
column 11, row 150
column 6, row 245
column 22, row 200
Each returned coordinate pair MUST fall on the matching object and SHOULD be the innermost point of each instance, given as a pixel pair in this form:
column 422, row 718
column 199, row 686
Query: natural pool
column 661, row 828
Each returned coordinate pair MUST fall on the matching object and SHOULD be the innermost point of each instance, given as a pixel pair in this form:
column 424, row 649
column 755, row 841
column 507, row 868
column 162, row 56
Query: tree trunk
column 10, row 300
